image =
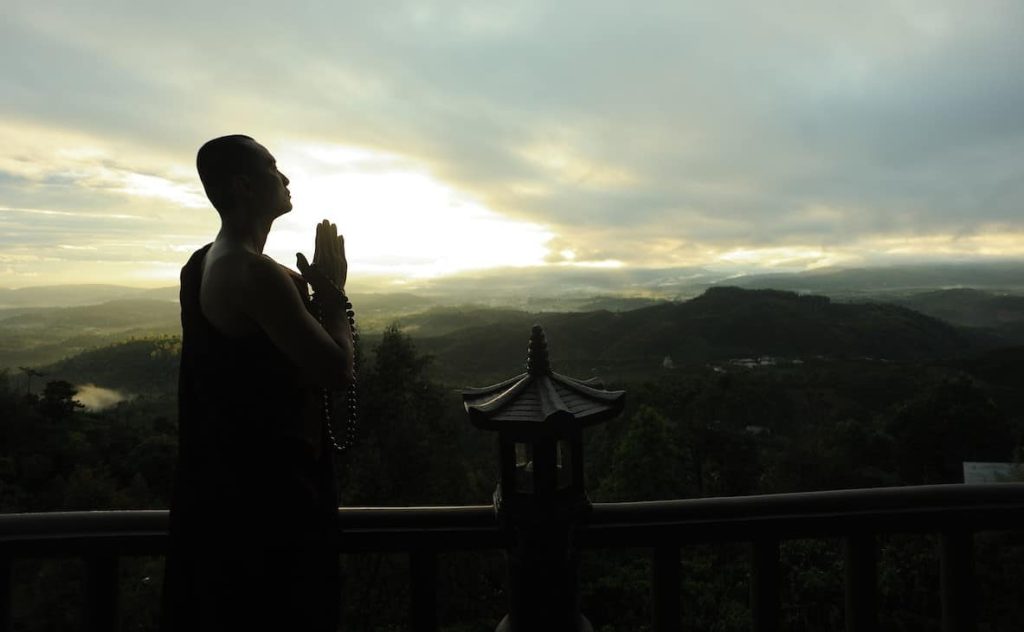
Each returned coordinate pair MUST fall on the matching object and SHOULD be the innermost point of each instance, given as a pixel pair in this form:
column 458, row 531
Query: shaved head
column 219, row 160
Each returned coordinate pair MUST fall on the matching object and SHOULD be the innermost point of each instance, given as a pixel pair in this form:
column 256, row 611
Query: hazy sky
column 448, row 136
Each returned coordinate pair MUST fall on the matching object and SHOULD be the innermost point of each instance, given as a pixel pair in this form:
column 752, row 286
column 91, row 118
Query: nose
column 284, row 179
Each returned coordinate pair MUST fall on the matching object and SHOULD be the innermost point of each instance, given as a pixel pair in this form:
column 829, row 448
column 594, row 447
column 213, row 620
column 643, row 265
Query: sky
column 457, row 137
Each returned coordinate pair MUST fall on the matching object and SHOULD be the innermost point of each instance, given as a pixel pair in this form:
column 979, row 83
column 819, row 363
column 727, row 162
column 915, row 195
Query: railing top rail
column 924, row 508
column 808, row 514
column 839, row 501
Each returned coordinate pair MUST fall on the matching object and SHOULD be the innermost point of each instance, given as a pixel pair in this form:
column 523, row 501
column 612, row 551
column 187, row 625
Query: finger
column 301, row 263
column 327, row 238
column 312, row 274
column 327, row 248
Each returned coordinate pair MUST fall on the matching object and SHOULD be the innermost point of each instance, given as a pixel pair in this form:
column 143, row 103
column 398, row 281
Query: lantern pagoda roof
column 541, row 400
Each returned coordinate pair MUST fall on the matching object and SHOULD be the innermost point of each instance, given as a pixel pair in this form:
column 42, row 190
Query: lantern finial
column 537, row 362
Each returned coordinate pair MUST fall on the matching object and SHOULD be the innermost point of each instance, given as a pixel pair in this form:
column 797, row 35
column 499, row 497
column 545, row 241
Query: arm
column 323, row 353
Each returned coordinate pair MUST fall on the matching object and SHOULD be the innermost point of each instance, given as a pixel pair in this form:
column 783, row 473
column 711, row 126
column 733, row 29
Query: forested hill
column 972, row 308
column 37, row 336
column 147, row 366
column 721, row 324
column 112, row 315
column 78, row 295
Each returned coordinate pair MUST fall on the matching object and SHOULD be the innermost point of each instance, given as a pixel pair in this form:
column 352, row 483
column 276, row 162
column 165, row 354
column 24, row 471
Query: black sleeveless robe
column 253, row 520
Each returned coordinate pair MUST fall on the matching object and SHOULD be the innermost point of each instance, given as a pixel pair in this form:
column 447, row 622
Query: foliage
column 710, row 428
column 43, row 335
column 647, row 463
column 58, row 401
column 951, row 422
column 143, row 366
column 401, row 416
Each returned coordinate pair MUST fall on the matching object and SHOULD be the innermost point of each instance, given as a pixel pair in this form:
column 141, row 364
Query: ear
column 241, row 188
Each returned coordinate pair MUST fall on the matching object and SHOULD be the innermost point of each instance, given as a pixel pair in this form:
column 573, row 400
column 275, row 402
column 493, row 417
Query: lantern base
column 583, row 625
column 570, row 506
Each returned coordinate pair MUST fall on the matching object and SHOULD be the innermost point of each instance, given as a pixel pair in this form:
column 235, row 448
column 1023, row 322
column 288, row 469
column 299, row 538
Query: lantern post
column 539, row 416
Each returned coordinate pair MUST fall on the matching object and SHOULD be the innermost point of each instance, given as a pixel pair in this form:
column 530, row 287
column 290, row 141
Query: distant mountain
column 393, row 302
column 592, row 304
column 565, row 288
column 968, row 307
column 121, row 313
column 519, row 287
column 529, row 288
column 723, row 323
column 474, row 346
column 441, row 321
column 169, row 293
column 1007, row 276
column 74, row 295
column 36, row 336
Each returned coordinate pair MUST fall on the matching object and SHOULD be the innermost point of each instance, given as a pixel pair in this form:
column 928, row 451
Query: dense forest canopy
column 841, row 396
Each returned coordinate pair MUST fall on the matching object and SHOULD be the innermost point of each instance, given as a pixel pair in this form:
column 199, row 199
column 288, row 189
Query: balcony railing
column 955, row 512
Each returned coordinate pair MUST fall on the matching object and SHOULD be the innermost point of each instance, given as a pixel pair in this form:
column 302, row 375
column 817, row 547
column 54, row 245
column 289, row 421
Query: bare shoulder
column 238, row 285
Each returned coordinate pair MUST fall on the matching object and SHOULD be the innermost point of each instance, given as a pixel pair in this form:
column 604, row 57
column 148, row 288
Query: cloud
column 79, row 207
column 97, row 397
column 662, row 134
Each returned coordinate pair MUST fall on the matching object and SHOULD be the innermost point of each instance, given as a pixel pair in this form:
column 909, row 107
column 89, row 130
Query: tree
column 953, row 422
column 647, row 464
column 58, row 401
column 29, row 373
column 403, row 454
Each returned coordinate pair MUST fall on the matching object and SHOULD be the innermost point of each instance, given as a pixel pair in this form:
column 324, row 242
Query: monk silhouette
column 253, row 533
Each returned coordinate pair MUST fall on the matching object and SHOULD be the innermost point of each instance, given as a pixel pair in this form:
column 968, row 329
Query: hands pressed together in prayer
column 329, row 269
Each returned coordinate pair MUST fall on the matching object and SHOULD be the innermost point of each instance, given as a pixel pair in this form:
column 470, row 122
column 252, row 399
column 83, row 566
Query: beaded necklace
column 350, row 393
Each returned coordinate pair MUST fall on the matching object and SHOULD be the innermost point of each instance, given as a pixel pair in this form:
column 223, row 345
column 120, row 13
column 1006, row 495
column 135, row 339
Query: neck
column 250, row 235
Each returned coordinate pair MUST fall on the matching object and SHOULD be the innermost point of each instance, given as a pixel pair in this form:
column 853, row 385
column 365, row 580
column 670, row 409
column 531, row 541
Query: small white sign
column 977, row 472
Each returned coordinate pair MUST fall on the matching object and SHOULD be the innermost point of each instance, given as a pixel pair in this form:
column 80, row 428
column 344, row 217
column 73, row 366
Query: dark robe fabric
column 253, row 520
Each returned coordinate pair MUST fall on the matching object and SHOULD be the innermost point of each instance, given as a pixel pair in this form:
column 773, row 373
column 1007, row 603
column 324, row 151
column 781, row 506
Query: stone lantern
column 539, row 417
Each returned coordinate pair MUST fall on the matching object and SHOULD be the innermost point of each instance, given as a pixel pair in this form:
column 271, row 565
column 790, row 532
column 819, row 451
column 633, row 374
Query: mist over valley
column 613, row 323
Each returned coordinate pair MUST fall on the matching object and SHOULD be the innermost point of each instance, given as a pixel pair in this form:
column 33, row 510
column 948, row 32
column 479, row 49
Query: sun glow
column 397, row 219
column 785, row 257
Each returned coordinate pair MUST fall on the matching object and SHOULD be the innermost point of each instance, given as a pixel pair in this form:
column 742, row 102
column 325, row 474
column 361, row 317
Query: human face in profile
column 268, row 186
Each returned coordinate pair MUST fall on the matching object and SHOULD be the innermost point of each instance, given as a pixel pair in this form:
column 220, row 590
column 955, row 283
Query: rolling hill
column 36, row 336
column 968, row 307
column 895, row 279
column 721, row 324
column 476, row 345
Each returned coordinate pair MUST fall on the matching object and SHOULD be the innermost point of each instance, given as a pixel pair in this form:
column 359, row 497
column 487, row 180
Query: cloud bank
column 793, row 134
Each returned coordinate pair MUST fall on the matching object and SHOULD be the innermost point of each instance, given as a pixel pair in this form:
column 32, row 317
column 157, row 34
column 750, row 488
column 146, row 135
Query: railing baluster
column 957, row 555
column 861, row 583
column 6, row 588
column 101, row 592
column 666, row 586
column 423, row 606
column 959, row 509
column 764, row 586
